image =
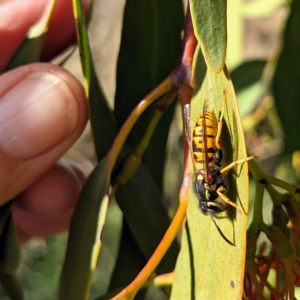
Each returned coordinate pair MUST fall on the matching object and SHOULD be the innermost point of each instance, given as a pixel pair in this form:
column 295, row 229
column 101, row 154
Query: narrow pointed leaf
column 149, row 51
column 209, row 21
column 10, row 256
column 127, row 270
column 83, row 242
column 103, row 124
column 206, row 259
column 11, row 286
column 248, row 83
column 31, row 48
column 104, row 129
column 286, row 80
column 141, row 204
column 147, row 218
column 247, row 74
column 10, row 253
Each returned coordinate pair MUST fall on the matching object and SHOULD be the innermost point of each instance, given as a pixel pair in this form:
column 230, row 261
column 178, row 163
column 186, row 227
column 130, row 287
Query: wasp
column 207, row 154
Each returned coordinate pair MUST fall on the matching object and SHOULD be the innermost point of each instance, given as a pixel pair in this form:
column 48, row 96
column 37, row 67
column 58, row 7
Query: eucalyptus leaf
column 104, row 130
column 29, row 51
column 11, row 285
column 206, row 259
column 209, row 21
column 150, row 49
column 10, row 252
column 286, row 80
column 83, row 242
column 248, row 83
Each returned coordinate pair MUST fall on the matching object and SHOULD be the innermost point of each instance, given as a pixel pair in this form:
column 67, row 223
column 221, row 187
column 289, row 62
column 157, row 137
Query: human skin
column 43, row 111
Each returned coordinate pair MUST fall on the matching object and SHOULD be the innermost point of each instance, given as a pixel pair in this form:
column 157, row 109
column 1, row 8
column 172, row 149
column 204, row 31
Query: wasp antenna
column 220, row 231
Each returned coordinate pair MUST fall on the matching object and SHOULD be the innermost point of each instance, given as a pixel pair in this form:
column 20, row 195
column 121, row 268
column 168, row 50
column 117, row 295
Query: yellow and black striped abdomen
column 206, row 128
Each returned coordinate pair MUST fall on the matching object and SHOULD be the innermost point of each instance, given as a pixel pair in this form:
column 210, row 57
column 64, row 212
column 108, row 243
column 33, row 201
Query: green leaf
column 10, row 256
column 104, row 130
column 11, row 286
column 10, row 253
column 209, row 21
column 148, row 219
column 150, row 49
column 206, row 260
column 5, row 210
column 103, row 124
column 83, row 239
column 250, row 97
column 129, row 252
column 110, row 238
column 286, row 80
column 30, row 50
column 248, row 83
column 247, row 74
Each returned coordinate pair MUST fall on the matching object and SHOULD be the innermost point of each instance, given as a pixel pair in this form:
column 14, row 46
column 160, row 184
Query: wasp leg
column 234, row 163
column 227, row 200
column 220, row 123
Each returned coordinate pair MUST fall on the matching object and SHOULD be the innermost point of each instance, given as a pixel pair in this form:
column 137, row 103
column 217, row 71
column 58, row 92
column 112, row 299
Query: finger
column 52, row 195
column 46, row 206
column 17, row 16
column 34, row 226
column 42, row 113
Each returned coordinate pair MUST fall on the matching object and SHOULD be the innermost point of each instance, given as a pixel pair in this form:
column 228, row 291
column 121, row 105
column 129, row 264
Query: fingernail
column 36, row 115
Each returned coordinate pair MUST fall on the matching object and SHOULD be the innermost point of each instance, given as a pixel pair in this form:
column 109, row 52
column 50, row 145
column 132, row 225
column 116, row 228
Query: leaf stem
column 161, row 280
column 160, row 109
column 118, row 143
column 258, row 205
column 260, row 176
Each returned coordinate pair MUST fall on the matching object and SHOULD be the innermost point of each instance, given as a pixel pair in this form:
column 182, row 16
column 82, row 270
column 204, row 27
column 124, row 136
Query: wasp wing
column 187, row 129
column 187, row 126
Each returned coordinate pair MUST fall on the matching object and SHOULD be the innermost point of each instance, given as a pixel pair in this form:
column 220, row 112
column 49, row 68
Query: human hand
column 43, row 111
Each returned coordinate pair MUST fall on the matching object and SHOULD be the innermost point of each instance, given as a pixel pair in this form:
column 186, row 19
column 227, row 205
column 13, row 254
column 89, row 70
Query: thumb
column 42, row 113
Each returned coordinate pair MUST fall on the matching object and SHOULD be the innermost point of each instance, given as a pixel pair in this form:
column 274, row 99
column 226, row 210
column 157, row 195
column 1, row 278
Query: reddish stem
column 182, row 75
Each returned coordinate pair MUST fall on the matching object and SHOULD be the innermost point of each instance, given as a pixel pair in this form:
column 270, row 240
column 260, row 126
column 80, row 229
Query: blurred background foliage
column 255, row 40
